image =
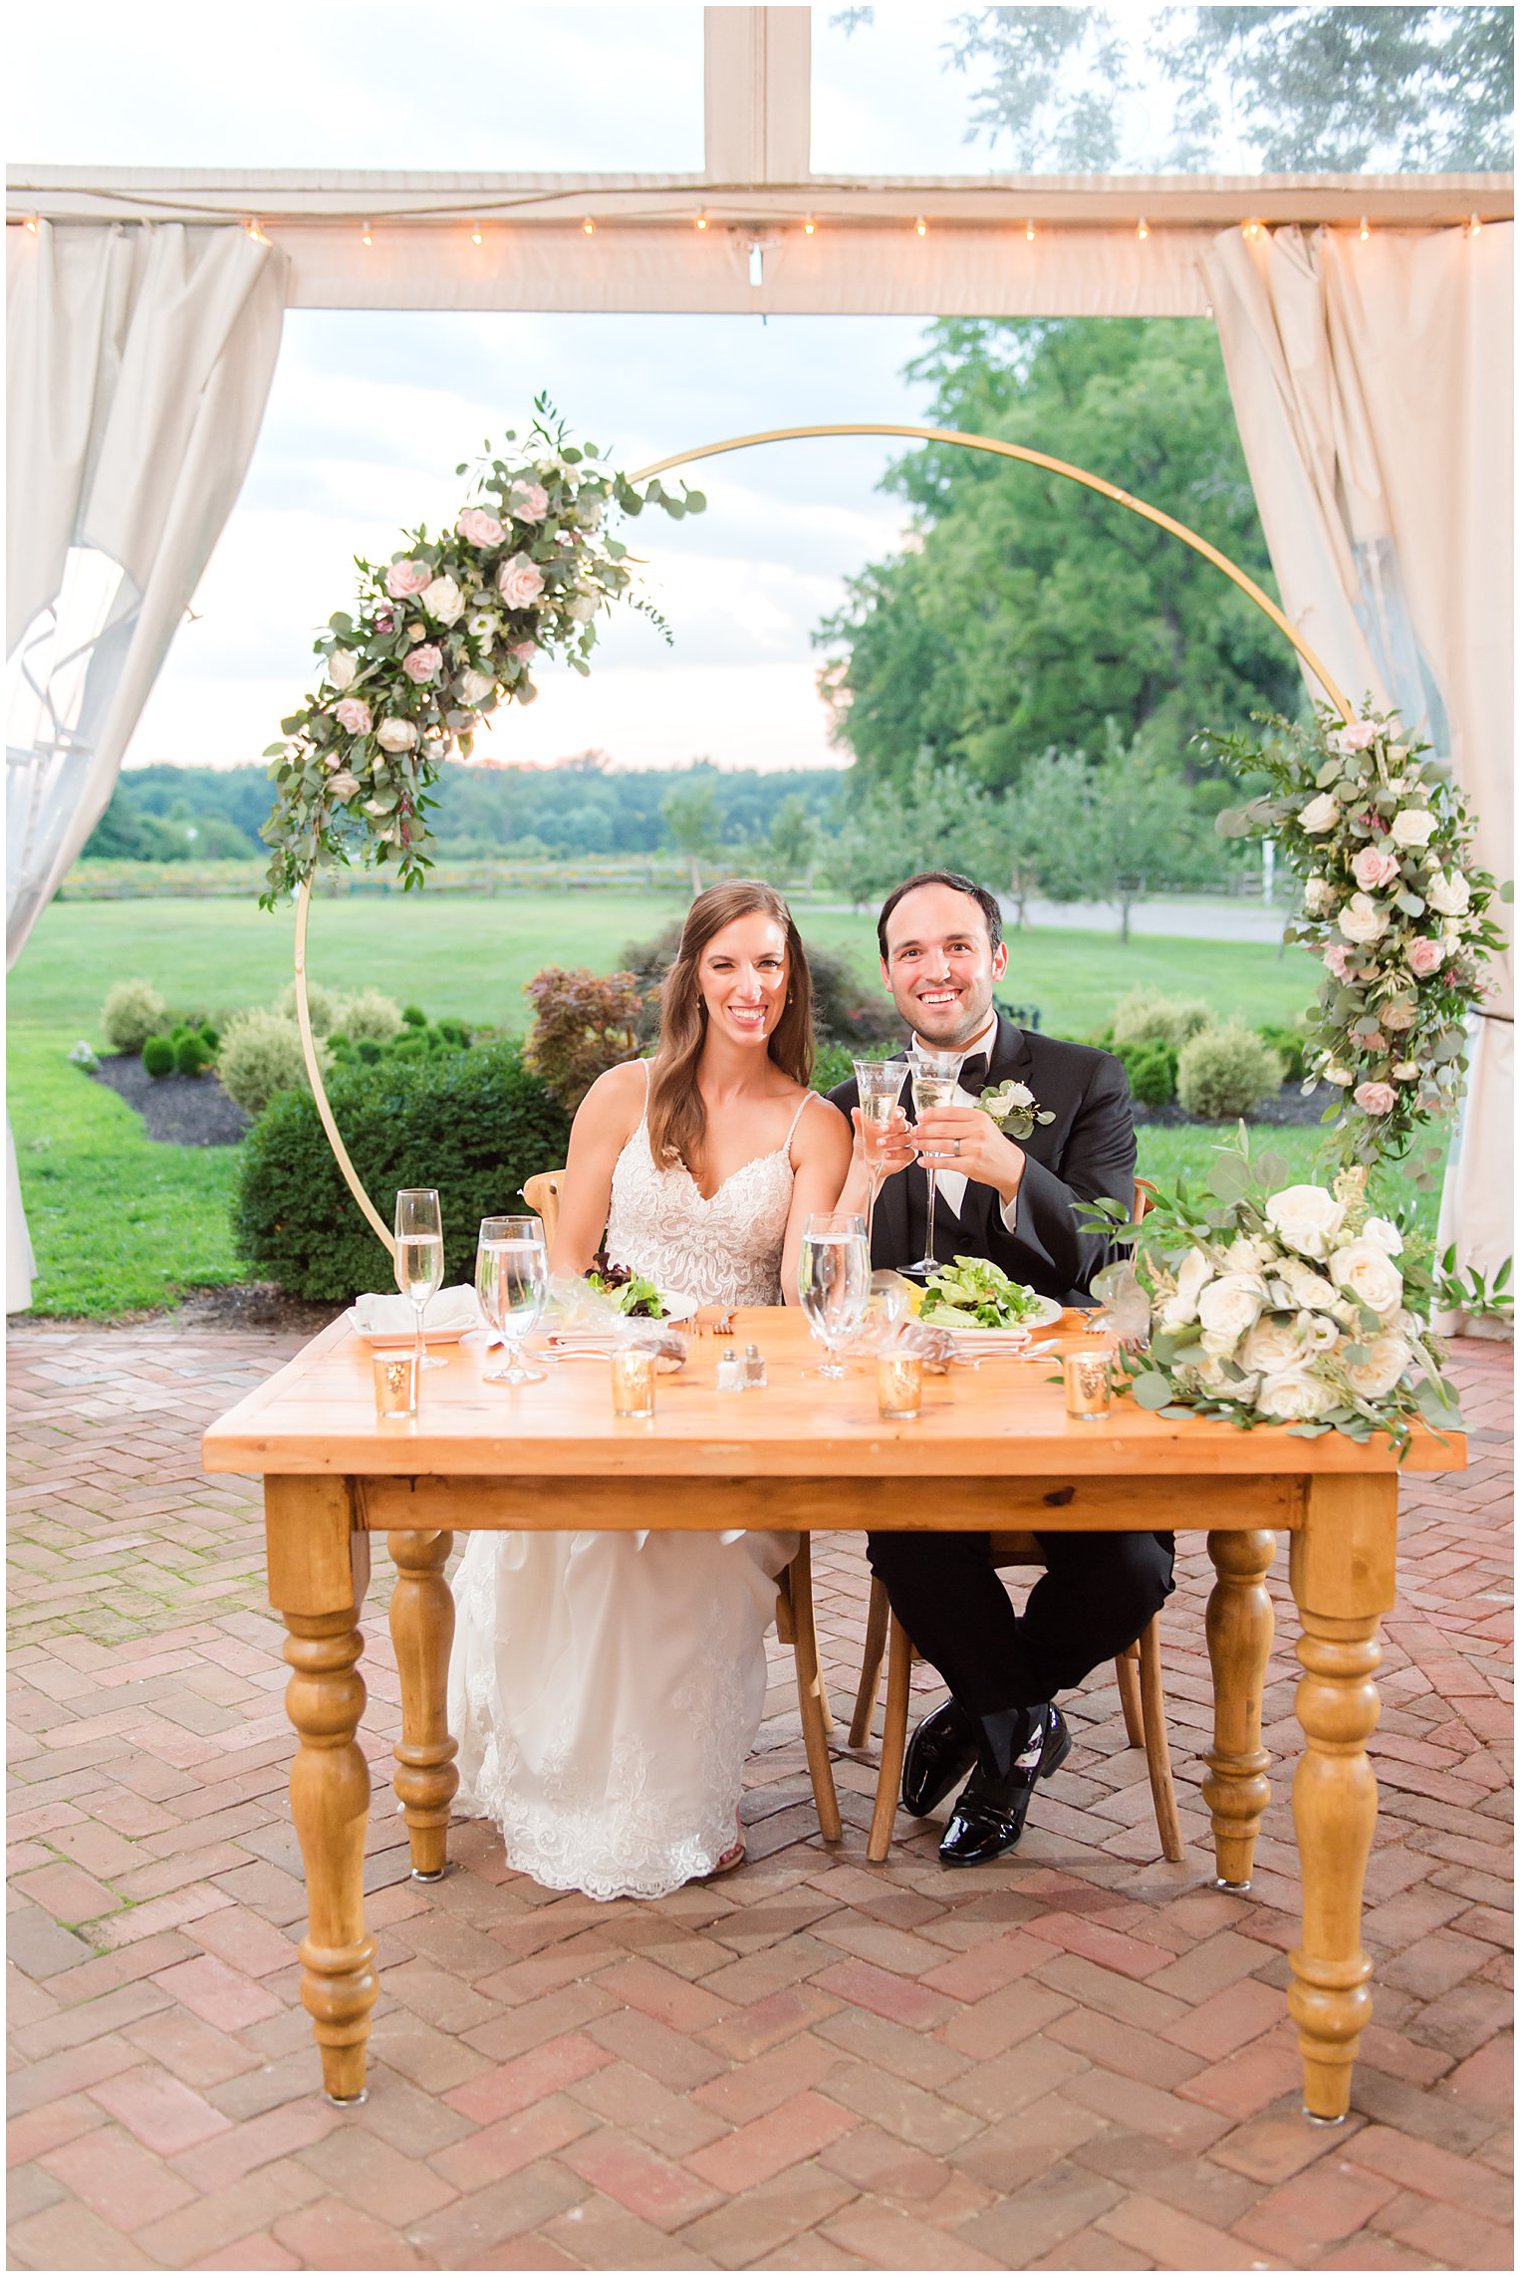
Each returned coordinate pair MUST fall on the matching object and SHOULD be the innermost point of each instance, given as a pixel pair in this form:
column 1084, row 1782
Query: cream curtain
column 139, row 361
column 1373, row 387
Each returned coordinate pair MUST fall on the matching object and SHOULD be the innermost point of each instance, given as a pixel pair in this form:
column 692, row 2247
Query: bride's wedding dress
column 605, row 1689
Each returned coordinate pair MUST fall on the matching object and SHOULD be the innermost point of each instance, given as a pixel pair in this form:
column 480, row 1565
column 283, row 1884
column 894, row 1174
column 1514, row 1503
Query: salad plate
column 974, row 1298
column 1010, row 1338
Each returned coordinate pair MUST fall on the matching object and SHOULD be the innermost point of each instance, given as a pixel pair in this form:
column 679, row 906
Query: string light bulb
column 1142, row 229
column 476, row 237
column 810, row 227
column 253, row 231
column 31, row 225
column 1474, row 225
column 920, row 227
column 1029, row 233
column 588, row 227
column 1364, row 229
column 367, row 234
column 701, row 221
column 1250, row 230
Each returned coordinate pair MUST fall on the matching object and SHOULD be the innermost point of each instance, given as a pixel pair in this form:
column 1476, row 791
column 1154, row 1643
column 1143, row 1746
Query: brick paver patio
column 1077, row 2059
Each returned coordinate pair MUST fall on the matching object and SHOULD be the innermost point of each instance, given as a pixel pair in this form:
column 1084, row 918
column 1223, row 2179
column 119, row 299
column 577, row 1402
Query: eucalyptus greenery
column 441, row 635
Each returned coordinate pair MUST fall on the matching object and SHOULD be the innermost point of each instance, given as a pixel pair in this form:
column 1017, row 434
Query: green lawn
column 119, row 1223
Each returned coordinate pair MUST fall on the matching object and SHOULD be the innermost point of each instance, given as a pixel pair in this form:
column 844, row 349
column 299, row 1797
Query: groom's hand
column 963, row 1138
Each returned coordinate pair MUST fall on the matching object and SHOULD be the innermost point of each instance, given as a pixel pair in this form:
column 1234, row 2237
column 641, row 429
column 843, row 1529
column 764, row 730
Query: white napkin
column 450, row 1313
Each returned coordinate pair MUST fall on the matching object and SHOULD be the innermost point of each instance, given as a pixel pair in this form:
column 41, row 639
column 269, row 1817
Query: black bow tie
column 974, row 1072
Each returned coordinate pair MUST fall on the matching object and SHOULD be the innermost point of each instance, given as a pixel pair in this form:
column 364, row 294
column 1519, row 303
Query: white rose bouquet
column 1287, row 1304
column 442, row 634
column 1392, row 906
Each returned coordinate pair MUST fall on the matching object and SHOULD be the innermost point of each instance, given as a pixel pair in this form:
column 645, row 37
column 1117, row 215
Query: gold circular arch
column 997, row 449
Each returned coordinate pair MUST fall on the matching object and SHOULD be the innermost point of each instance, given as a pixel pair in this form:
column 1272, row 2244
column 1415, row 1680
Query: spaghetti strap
column 807, row 1098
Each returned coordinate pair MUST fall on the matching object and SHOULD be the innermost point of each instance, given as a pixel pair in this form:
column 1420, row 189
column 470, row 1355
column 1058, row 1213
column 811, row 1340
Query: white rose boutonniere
column 1014, row 1108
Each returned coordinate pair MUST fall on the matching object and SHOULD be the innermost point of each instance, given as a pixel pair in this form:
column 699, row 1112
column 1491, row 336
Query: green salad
column 972, row 1293
column 630, row 1292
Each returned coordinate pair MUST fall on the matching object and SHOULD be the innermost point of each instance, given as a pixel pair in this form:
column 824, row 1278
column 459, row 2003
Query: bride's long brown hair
column 677, row 1118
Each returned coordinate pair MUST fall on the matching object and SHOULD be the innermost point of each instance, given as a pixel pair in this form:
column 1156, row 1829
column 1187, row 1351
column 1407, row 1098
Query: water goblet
column 879, row 1083
column 419, row 1256
column 511, row 1281
column 935, row 1079
column 834, row 1280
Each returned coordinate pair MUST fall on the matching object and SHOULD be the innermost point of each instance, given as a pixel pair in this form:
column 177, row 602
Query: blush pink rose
column 423, row 663
column 384, row 621
column 406, row 577
column 525, row 651
column 1426, row 956
column 1374, row 1098
column 480, row 528
column 1338, row 960
column 529, row 501
column 353, row 714
column 518, row 582
column 1374, row 867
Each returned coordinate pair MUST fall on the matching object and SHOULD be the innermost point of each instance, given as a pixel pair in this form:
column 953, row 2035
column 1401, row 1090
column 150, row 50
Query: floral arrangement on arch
column 442, row 634
column 1381, row 839
column 1287, row 1304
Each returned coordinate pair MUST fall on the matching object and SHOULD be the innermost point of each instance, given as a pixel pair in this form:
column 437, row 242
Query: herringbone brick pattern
column 1077, row 2059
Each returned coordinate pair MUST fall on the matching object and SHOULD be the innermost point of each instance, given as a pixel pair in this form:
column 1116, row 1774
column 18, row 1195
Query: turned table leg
column 1343, row 1574
column 422, row 1630
column 1239, row 1632
column 318, row 1570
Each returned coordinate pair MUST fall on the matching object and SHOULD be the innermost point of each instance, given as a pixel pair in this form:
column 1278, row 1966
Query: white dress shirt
column 951, row 1184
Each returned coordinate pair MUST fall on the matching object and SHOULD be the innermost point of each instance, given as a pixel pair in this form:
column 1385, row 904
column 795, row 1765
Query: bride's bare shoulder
column 615, row 1102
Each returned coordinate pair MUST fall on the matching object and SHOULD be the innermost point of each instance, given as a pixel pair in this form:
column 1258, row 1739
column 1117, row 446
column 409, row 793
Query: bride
column 606, row 1689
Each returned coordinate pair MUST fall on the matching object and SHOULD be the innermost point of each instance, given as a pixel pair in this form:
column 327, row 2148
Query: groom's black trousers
column 1096, row 1595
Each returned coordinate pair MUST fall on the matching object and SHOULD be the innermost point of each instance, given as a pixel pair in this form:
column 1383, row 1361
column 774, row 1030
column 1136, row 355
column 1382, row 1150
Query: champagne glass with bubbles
column 511, row 1281
column 879, row 1084
column 419, row 1255
column 935, row 1078
column 834, row 1280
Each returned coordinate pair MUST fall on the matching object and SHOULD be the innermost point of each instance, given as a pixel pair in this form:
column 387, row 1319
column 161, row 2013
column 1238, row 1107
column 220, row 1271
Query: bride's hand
column 896, row 1151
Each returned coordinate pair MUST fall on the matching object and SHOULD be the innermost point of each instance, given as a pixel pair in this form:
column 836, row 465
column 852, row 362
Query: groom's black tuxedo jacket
column 1086, row 1153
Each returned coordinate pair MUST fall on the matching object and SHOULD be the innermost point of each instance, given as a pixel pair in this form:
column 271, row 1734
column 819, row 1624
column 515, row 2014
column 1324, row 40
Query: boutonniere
column 1014, row 1108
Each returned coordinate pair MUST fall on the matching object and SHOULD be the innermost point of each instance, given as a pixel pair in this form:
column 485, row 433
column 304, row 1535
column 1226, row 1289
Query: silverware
column 724, row 1324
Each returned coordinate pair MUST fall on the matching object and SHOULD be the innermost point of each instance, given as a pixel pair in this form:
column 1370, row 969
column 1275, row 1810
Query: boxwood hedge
column 475, row 1124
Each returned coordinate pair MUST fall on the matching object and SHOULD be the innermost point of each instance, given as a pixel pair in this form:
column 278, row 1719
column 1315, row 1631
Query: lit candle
column 395, row 1385
column 633, row 1383
column 1087, row 1385
column 899, row 1386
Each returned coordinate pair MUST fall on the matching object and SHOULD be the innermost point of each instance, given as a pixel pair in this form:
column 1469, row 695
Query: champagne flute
column 419, row 1255
column 879, row 1084
column 511, row 1281
column 834, row 1280
column 936, row 1076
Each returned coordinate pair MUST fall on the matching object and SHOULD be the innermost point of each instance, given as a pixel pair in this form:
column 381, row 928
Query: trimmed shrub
column 326, row 1006
column 158, row 1055
column 190, row 1054
column 844, row 1010
column 1144, row 1017
column 209, row 1037
column 454, row 1032
column 1290, row 1045
column 1152, row 1072
column 260, row 1055
column 370, row 1017
column 368, row 1051
column 473, row 1124
column 1226, row 1072
column 415, row 1017
column 131, row 1013
column 583, row 1023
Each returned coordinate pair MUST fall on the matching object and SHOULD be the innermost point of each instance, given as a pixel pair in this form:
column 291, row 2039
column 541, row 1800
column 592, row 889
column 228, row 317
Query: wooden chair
column 1138, row 1671
column 794, row 1595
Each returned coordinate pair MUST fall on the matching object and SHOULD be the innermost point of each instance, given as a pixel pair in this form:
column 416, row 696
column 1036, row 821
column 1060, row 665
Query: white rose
column 1412, row 826
column 1448, row 892
column 1213, row 1376
column 1375, row 1377
column 1320, row 1335
column 443, row 601
column 1400, row 1014
column 342, row 785
column 1245, row 1255
column 1339, row 1075
column 1362, row 920
column 1273, row 1345
column 482, row 625
column 1228, row 1307
column 474, row 687
column 1406, row 1071
column 1319, row 897
column 1366, row 1272
column 341, row 668
column 1307, row 1218
column 583, row 608
column 1308, row 1289
column 396, row 735
column 1192, row 1275
column 1296, row 1396
column 1320, row 814
column 1385, row 1233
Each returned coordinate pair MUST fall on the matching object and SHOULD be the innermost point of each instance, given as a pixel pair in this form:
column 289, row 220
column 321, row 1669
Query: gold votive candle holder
column 396, row 1375
column 899, row 1387
column 1088, row 1385
column 633, row 1384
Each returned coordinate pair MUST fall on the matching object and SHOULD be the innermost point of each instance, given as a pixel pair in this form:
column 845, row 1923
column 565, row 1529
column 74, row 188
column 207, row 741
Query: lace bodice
column 722, row 1249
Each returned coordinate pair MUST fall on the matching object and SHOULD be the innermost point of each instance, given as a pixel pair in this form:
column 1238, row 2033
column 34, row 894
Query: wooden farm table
column 993, row 1448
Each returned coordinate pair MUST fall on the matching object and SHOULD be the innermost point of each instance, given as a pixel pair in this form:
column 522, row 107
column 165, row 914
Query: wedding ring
column 955, row 1148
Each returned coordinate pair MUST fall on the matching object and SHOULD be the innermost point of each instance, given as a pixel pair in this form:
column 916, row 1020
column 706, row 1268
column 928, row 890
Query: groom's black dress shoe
column 940, row 1753
column 989, row 1814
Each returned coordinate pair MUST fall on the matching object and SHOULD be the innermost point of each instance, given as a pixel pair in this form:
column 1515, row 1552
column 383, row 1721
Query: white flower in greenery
column 583, row 608
column 1246, row 1255
column 1274, row 1344
column 1406, row 1071
column 1228, row 1307
column 482, row 624
column 1412, row 826
column 1306, row 1218
column 1214, row 1377
column 1308, row 1289
column 396, row 735
column 1320, row 815
column 1320, row 1334
column 1342, row 1076
column 1319, row 897
column 1296, row 1396
column 1401, row 1013
column 1365, row 1271
column 1192, row 1275
column 343, row 785
column 1359, row 735
column 1375, row 1377
column 1448, row 893
column 1362, row 919
column 342, row 669
column 1385, row 1233
column 474, row 687
column 443, row 601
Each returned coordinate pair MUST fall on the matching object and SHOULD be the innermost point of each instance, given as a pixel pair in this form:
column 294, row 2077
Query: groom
column 1011, row 1200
